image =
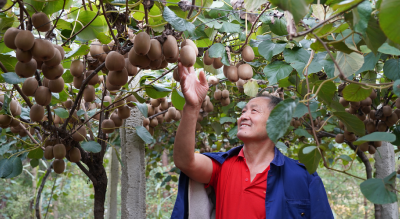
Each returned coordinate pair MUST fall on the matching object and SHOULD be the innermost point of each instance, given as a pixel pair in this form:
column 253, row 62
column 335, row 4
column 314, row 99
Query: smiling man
column 251, row 181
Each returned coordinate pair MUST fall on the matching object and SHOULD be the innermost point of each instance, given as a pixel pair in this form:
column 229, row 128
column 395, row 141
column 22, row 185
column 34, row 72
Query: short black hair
column 273, row 100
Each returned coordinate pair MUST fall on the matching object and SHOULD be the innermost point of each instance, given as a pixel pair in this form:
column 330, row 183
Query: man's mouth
column 244, row 125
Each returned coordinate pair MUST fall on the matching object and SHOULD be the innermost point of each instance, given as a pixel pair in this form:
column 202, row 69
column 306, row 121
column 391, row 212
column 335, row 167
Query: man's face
column 252, row 123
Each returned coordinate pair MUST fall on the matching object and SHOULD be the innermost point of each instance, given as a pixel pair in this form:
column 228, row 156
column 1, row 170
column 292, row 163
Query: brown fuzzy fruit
column 362, row 117
column 138, row 60
column 154, row 65
column 173, row 59
column 218, row 94
column 15, row 123
column 52, row 73
column 26, row 70
column 89, row 94
column 80, row 134
column 24, row 40
column 217, row 63
column 245, row 72
column 364, row 146
column 9, row 37
column 225, row 94
column 115, row 61
column 118, row 78
column 76, row 68
column 155, row 51
column 207, row 60
column 22, row 56
column 74, row 155
column 366, row 109
column 355, row 105
column 29, row 86
column 132, row 70
column 56, row 60
column 124, row 112
column 188, row 42
column 141, row 43
column 387, row 110
column 188, row 56
column 154, row 122
column 370, row 127
column 239, row 85
column 392, row 119
column 107, row 126
column 48, row 153
column 14, row 107
column 213, row 80
column 111, row 87
column 371, row 149
column 373, row 94
column 94, row 80
column 43, row 96
column 377, row 144
column 248, row 54
column 344, row 102
column 164, row 105
column 349, row 136
column 41, row 22
column 155, row 102
column 96, row 51
column 170, row 47
column 61, row 50
column 77, row 82
column 225, row 101
column 176, row 75
column 366, row 102
column 37, row 113
column 397, row 111
column 42, row 50
column 68, row 103
column 232, row 74
column 382, row 126
column 5, row 120
column 131, row 99
column 117, row 121
column 59, row 166
column 57, row 85
column 146, row 122
column 59, row 151
column 339, row 138
column 372, row 114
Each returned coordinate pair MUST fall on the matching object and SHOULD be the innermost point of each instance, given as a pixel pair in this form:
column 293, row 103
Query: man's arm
column 196, row 166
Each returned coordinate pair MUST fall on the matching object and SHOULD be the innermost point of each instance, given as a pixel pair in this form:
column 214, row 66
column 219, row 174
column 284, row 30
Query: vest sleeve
column 215, row 175
column 320, row 207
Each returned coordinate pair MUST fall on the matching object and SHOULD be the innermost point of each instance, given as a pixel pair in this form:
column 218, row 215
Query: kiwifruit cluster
column 222, row 96
column 59, row 151
column 10, row 120
column 121, row 112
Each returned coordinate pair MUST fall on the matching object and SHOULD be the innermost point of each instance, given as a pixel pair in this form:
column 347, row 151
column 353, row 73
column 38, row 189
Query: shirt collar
column 279, row 158
column 241, row 153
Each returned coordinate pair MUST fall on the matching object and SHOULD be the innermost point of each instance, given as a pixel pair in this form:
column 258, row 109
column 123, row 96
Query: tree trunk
column 164, row 160
column 113, row 189
column 100, row 187
column 385, row 165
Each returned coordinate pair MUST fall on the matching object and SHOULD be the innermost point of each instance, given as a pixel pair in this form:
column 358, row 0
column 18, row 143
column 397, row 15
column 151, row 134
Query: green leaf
column 345, row 157
column 308, row 149
column 298, row 58
column 12, row 78
column 79, row 51
column 310, row 160
column 233, row 132
column 16, row 167
column 228, row 27
column 302, row 109
column 6, row 168
column 227, row 119
column 302, row 132
column 268, row 49
column 67, row 76
column 281, row 146
column 62, row 113
column 91, row 146
column 63, row 25
column 144, row 134
column 156, row 91
column 389, row 19
column 217, row 127
column 178, row 23
column 327, row 91
column 253, row 4
column 90, row 32
column 352, row 123
column 374, row 36
column 139, row 98
column 54, row 6
column 370, row 61
column 37, row 153
column 298, row 8
column 9, row 63
column 388, row 49
column 218, row 50
column 378, row 191
column 177, row 99
column 391, row 69
column 361, row 16
column 251, row 88
column 396, row 131
column 277, row 71
column 279, row 27
column 396, row 87
column 356, row 92
column 103, row 38
column 280, row 117
column 34, row 163
column 376, row 136
column 142, row 108
column 348, row 63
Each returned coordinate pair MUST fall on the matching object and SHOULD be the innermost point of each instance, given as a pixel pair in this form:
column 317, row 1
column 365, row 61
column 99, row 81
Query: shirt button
column 246, row 180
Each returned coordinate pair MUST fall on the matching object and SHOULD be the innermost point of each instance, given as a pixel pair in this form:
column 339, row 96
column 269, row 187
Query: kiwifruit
column 248, row 54
column 217, row 63
column 188, row 42
column 48, row 153
column 9, row 37
column 170, row 47
column 29, row 86
column 52, row 73
column 41, row 22
column 188, row 56
column 155, row 102
column 76, row 68
column 132, row 70
column 57, row 85
column 138, row 60
column 164, row 64
column 117, row 121
column 96, row 51
column 199, row 117
column 74, row 155
column 15, row 129
column 118, row 78
column 349, row 136
column 107, row 126
column 59, row 166
column 111, row 87
column 37, row 113
column 56, row 60
column 225, row 94
column 124, row 112
column 77, row 82
column 217, row 94
column 155, row 51
column 372, row 114
column 89, row 94
column 387, row 110
column 107, row 99
column 146, row 122
column 377, row 144
column 15, row 123
column 171, row 114
column 371, row 149
column 178, row 115
column 176, row 75
column 153, row 122
column 232, row 74
column 373, row 94
column 130, row 99
column 164, row 105
column 339, row 138
column 344, row 102
column 364, row 146
column 14, row 107
column 24, row 40
column 225, row 101
column 392, row 119
column 109, row 47
column 115, row 61
column 370, row 127
column 5, row 120
column 245, row 72
column 26, row 70
column 366, row 102
column 173, row 59
column 239, row 84
column 362, row 117
column 382, row 126
column 68, row 103
column 397, row 111
column 383, row 118
column 150, row 110
column 355, row 105
column 61, row 50
column 209, row 107
column 43, row 96
column 80, row 134
column 59, row 151
column 207, row 60
column 23, row 56
column 213, row 80
column 42, row 50
column 141, row 43
column 45, row 82
column 366, row 109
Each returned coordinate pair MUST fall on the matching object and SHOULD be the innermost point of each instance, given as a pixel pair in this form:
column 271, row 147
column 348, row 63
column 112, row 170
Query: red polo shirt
column 236, row 195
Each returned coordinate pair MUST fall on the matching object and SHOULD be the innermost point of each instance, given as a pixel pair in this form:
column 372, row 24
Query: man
column 250, row 181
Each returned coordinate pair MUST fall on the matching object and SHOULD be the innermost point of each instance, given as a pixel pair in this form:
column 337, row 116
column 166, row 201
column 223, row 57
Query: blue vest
column 291, row 191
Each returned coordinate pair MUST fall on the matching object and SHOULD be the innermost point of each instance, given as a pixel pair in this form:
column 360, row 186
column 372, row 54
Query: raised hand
column 194, row 90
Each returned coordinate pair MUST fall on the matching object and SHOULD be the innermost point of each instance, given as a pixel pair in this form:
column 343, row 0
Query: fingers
column 202, row 79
